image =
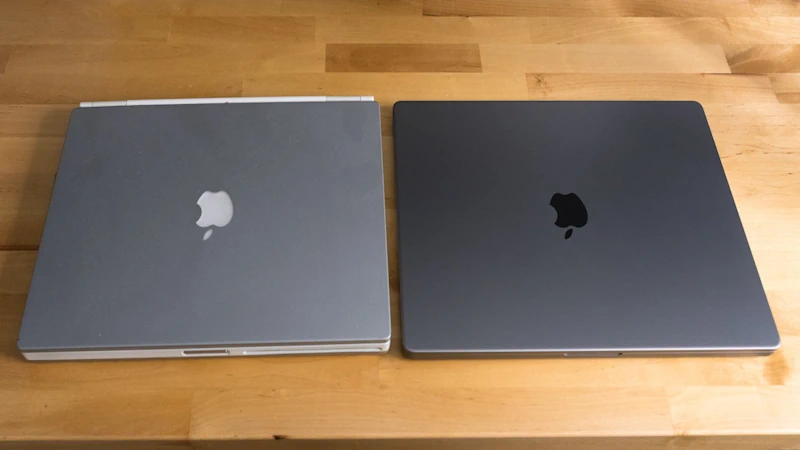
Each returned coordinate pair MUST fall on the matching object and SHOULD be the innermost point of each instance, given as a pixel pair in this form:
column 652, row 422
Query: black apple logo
column 570, row 210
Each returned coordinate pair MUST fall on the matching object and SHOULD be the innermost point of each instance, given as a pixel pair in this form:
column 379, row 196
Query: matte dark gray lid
column 123, row 265
column 662, row 264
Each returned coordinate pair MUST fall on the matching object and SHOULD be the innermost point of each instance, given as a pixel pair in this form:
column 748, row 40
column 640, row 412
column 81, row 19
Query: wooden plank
column 230, row 8
column 664, row 30
column 97, row 8
column 410, row 413
column 703, row 410
column 782, row 301
column 589, row 58
column 75, row 88
column 390, row 193
column 5, row 52
column 782, row 368
column 352, row 7
column 252, row 8
column 422, row 30
column 127, row 413
column 235, row 8
column 11, row 309
column 776, row 7
column 34, row 120
column 787, row 87
column 527, row 443
column 76, row 444
column 30, row 155
column 394, row 283
column 391, row 87
column 743, row 131
column 24, row 199
column 142, row 59
column 389, row 181
column 27, row 174
column 634, row 8
column 213, row 8
column 241, row 30
column 402, row 58
column 301, row 372
column 16, row 269
column 763, row 58
column 82, row 27
column 699, row 87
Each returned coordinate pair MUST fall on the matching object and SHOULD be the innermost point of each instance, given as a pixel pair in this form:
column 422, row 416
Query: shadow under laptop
column 25, row 191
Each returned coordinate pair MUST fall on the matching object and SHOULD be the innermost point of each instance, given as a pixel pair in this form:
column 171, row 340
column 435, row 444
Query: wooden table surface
column 739, row 58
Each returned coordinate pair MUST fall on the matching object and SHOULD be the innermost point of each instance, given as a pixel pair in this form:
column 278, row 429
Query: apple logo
column 570, row 212
column 216, row 208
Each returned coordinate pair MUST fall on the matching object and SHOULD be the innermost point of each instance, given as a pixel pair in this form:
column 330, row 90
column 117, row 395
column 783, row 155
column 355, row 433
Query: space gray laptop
column 570, row 229
column 224, row 227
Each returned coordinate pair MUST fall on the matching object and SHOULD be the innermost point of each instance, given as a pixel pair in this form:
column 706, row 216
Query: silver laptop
column 221, row 227
column 571, row 229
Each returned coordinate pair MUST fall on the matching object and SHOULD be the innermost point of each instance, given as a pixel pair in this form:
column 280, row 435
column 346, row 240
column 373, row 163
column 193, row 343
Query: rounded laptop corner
column 774, row 344
column 411, row 351
column 695, row 104
column 399, row 105
column 24, row 350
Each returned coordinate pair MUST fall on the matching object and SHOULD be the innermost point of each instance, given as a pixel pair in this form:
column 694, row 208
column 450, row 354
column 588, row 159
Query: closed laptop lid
column 576, row 227
column 216, row 224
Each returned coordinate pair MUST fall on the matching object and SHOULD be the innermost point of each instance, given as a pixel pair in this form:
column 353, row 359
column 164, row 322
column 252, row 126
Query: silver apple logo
column 216, row 209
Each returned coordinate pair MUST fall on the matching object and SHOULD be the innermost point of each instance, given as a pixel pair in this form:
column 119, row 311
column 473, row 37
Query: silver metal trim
column 198, row 352
column 221, row 100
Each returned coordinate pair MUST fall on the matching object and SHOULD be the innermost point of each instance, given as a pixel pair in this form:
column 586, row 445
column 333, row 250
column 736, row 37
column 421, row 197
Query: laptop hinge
column 206, row 101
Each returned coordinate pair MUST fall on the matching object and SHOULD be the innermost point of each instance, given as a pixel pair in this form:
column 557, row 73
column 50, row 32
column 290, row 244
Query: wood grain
column 81, row 27
column 354, row 372
column 24, row 199
column 787, row 87
column 778, row 369
column 763, row 58
column 568, row 58
column 352, row 7
column 62, row 413
column 424, row 30
column 392, row 87
column 99, row 8
column 74, row 88
column 125, row 60
column 703, row 410
column 624, row 8
column 16, row 269
column 30, row 155
column 241, row 30
column 241, row 8
column 5, row 53
column 409, row 413
column 776, row 7
column 34, row 120
column 543, row 443
column 698, row 87
column 56, row 53
column 664, row 30
column 402, row 58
